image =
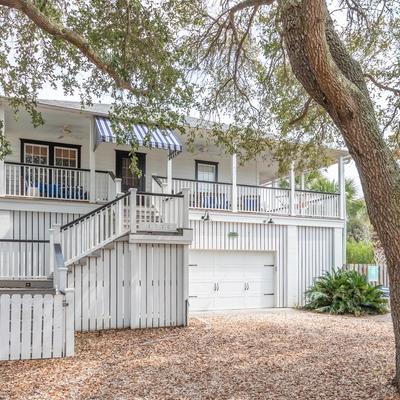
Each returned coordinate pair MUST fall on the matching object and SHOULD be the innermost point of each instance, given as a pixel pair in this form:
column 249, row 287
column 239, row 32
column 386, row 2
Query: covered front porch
column 81, row 162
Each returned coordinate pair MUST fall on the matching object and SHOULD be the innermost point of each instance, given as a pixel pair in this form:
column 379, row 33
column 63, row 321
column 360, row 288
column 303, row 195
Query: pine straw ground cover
column 262, row 355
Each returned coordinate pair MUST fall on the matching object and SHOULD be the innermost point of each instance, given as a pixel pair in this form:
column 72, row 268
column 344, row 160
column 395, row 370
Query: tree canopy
column 159, row 60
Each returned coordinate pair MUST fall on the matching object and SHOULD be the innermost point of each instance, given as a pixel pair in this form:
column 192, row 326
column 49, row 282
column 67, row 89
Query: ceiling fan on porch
column 66, row 132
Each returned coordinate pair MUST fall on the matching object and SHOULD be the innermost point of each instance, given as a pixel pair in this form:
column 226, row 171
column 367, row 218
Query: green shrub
column 345, row 292
column 359, row 252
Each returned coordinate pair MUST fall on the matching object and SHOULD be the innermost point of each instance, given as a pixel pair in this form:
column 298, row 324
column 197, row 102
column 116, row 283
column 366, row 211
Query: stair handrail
column 95, row 211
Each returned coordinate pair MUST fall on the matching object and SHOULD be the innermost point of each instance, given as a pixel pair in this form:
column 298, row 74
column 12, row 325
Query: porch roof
column 156, row 138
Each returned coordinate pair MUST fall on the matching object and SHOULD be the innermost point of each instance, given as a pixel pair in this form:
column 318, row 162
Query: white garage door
column 221, row 280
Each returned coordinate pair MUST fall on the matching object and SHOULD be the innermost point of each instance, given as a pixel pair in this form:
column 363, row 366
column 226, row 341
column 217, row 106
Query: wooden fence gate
column 36, row 326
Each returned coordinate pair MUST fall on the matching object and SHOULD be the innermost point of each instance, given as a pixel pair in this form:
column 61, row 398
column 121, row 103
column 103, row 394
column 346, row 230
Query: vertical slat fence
column 36, row 326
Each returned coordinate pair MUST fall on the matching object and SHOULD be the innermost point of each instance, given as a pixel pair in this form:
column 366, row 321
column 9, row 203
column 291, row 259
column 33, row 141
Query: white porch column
column 2, row 166
column 92, row 162
column 342, row 188
column 292, row 183
column 234, row 183
column 302, row 181
column 169, row 175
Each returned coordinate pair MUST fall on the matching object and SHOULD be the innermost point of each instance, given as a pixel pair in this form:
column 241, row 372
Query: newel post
column 292, row 183
column 56, row 259
column 185, row 221
column 132, row 211
column 52, row 259
column 118, row 186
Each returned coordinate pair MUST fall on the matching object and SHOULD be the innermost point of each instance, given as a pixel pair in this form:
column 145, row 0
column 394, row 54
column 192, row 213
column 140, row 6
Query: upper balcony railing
column 255, row 199
column 56, row 183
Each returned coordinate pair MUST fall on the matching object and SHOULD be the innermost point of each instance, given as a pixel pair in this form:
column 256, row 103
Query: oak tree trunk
column 336, row 81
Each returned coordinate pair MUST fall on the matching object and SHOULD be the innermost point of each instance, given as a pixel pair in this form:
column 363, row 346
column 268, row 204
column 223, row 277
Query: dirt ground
column 282, row 354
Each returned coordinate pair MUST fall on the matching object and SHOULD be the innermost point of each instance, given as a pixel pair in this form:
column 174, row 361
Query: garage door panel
column 260, row 287
column 229, row 273
column 199, row 273
column 229, row 288
column 201, row 303
column 259, row 301
column 202, row 288
column 229, row 303
column 243, row 278
column 258, row 272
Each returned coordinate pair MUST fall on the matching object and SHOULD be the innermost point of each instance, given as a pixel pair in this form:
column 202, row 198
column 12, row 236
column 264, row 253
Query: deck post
column 169, row 175
column 185, row 222
column 2, row 179
column 118, row 186
column 92, row 163
column 292, row 182
column 342, row 188
column 51, row 252
column 302, row 181
column 2, row 166
column 132, row 211
column 59, row 274
column 234, row 183
column 69, row 323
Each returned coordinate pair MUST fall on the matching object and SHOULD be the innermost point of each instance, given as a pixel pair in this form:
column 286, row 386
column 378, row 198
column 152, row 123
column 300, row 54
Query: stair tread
column 22, row 290
column 26, row 283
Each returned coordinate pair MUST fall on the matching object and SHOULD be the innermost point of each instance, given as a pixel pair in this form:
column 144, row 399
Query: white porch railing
column 129, row 213
column 317, row 204
column 254, row 199
column 263, row 199
column 37, row 181
column 203, row 194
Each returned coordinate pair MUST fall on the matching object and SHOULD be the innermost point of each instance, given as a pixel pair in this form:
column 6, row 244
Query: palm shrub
column 345, row 292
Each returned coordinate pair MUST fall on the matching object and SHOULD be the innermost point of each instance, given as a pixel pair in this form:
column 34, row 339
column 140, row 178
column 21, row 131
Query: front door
column 123, row 171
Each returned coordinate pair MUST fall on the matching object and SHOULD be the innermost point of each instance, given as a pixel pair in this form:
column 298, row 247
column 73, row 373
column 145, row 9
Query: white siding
column 118, row 290
column 32, row 225
column 315, row 254
column 23, row 250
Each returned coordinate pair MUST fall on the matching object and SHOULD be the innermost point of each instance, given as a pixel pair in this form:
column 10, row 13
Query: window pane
column 206, row 172
column 66, row 157
column 36, row 154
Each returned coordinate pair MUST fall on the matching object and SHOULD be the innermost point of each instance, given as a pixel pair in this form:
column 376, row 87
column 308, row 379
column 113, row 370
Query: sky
column 331, row 172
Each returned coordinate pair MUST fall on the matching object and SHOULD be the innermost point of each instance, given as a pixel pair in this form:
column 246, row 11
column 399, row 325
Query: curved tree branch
column 382, row 85
column 53, row 28
column 303, row 114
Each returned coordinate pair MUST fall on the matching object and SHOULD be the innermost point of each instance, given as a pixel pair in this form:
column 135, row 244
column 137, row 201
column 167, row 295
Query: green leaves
column 345, row 292
column 127, row 44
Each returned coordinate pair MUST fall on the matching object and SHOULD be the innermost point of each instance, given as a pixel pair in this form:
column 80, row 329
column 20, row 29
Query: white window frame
column 63, row 148
column 208, row 165
column 37, row 145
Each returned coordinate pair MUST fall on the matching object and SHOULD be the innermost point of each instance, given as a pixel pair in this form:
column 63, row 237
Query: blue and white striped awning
column 156, row 138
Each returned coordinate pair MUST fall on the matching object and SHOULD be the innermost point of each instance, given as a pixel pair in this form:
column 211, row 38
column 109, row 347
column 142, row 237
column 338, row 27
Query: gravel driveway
column 281, row 354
